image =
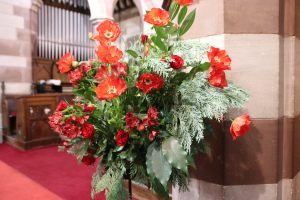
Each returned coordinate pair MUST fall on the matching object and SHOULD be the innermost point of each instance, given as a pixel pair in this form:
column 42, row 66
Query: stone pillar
column 15, row 42
column 261, row 39
column 101, row 10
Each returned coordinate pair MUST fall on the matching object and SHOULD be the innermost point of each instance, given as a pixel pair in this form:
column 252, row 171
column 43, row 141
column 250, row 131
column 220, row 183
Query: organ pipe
column 61, row 31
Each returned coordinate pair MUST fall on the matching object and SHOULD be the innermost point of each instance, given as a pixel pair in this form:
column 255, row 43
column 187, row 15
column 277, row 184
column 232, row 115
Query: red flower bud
column 89, row 108
column 88, row 130
column 152, row 135
column 176, row 62
column 62, row 105
column 88, row 160
column 144, row 39
column 122, row 137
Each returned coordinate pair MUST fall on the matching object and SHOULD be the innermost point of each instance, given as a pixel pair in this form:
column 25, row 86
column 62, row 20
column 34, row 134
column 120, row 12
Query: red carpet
column 45, row 171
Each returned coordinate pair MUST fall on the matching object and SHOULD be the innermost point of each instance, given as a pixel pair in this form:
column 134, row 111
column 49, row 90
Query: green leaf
column 174, row 153
column 161, row 168
column 132, row 53
column 159, row 188
column 187, row 23
column 160, row 32
column 148, row 159
column 159, row 43
column 182, row 14
column 118, row 148
column 174, row 8
column 199, row 68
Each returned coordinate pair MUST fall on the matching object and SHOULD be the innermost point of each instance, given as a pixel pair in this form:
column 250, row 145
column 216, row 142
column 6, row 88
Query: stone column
column 261, row 39
column 15, row 42
column 101, row 10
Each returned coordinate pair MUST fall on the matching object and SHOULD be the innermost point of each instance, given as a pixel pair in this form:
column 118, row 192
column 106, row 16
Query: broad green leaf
column 160, row 166
column 174, row 8
column 148, row 159
column 132, row 53
column 160, row 32
column 174, row 153
column 199, row 68
column 159, row 43
column 187, row 23
column 182, row 14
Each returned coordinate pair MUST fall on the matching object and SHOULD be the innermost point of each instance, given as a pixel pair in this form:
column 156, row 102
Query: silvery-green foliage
column 197, row 100
column 156, row 65
column 111, row 182
column 192, row 51
column 188, row 125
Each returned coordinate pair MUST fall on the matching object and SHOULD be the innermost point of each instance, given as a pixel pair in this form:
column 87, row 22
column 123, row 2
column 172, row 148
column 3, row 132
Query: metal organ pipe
column 61, row 31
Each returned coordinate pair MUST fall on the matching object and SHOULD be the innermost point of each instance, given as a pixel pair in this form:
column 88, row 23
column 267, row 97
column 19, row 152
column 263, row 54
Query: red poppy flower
column 75, row 76
column 110, row 88
column 102, row 73
column 88, row 160
column 144, row 39
column 119, row 69
column 240, row 126
column 122, row 137
column 157, row 17
column 152, row 113
column 149, row 81
column 219, row 59
column 217, row 78
column 109, row 31
column 65, row 63
column 184, row 2
column 109, row 54
column 88, row 130
column 176, row 62
column 62, row 105
column 152, row 135
column 131, row 121
column 89, row 108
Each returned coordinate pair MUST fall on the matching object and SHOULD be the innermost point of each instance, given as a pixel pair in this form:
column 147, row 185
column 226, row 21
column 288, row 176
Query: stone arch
column 103, row 9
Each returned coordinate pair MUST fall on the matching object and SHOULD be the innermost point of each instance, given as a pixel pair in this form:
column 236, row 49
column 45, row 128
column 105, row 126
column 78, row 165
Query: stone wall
column 16, row 40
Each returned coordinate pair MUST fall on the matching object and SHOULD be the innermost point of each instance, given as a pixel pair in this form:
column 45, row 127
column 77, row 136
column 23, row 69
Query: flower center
column 147, row 81
column 217, row 59
column 112, row 90
column 157, row 19
column 108, row 34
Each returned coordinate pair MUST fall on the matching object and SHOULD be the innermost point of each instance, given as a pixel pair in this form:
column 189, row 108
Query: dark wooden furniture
column 25, row 119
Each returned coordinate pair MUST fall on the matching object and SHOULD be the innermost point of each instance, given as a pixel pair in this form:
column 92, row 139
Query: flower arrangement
column 144, row 113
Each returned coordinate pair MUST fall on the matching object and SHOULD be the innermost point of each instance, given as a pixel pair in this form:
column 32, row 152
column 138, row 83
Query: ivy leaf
column 182, row 14
column 187, row 23
column 174, row 8
column 132, row 53
column 159, row 43
column 158, row 165
column 174, row 153
column 160, row 32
